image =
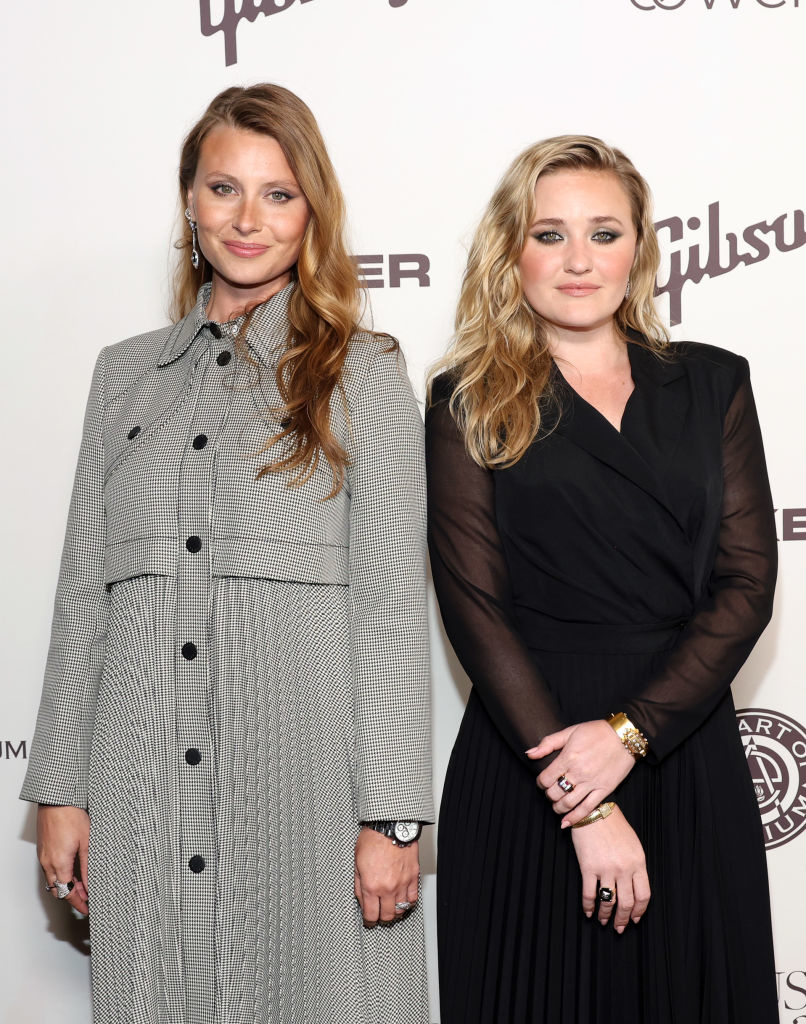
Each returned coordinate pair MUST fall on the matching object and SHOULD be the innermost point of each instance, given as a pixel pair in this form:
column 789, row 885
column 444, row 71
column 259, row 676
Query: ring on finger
column 565, row 785
column 403, row 906
column 606, row 894
column 63, row 889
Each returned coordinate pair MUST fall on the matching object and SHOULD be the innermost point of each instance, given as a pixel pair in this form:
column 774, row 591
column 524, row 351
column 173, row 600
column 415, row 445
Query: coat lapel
column 651, row 427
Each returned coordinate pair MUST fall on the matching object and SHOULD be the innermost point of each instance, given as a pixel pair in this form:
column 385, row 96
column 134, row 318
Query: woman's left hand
column 385, row 875
column 592, row 759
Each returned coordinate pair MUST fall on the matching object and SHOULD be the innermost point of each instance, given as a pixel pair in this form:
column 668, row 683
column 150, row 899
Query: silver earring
column 629, row 288
column 195, row 258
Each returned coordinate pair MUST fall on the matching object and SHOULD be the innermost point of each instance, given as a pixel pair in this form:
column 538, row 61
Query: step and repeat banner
column 422, row 103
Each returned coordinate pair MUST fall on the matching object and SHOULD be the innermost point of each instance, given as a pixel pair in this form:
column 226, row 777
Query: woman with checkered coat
column 232, row 754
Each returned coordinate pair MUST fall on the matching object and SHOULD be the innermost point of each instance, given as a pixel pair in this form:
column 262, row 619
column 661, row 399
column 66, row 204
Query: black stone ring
column 606, row 895
column 564, row 784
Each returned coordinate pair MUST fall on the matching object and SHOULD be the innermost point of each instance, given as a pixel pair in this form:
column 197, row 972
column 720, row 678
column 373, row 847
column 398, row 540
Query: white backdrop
column 422, row 103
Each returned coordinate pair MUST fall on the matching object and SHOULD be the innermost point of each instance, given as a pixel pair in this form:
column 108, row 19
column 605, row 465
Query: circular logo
column 775, row 747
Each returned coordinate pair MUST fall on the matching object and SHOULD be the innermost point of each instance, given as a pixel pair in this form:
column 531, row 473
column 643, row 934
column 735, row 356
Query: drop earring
column 195, row 259
column 626, row 293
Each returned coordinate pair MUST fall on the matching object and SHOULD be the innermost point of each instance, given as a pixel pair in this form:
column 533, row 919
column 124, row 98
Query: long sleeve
column 472, row 584
column 738, row 605
column 58, row 767
column 388, row 610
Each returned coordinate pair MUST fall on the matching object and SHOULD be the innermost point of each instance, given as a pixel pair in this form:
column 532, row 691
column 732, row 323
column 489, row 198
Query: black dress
column 606, row 572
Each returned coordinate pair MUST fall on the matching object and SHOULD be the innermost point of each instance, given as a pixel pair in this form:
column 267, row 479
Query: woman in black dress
column 604, row 553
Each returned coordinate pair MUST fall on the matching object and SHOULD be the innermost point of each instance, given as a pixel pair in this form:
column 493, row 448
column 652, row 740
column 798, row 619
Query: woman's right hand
column 610, row 855
column 62, row 835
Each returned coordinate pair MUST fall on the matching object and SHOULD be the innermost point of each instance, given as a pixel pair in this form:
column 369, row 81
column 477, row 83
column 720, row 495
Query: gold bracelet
column 632, row 738
column 596, row 814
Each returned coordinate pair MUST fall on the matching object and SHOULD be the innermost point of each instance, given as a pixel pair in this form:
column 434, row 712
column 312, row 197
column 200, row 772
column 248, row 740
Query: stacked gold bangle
column 602, row 811
column 632, row 738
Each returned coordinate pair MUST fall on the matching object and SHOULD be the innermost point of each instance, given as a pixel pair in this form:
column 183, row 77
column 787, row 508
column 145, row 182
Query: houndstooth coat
column 237, row 677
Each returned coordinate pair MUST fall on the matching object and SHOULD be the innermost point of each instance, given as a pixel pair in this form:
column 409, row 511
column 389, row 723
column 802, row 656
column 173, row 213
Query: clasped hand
column 592, row 759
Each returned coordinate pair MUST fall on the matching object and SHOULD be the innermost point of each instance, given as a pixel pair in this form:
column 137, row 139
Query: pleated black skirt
column 514, row 944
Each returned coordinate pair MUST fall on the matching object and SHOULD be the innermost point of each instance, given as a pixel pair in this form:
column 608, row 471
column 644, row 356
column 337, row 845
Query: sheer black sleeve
column 472, row 584
column 723, row 631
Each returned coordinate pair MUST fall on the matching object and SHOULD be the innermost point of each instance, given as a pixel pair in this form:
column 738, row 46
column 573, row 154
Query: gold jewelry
column 602, row 811
column 632, row 738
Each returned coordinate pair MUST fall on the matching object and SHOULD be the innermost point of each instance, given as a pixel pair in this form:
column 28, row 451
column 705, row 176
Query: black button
column 133, row 433
column 223, row 358
column 199, row 441
column 193, row 544
column 196, row 864
column 215, row 330
column 189, row 651
column 193, row 756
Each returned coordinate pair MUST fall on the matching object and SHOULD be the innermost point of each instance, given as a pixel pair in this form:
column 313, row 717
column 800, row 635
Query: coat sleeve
column 471, row 578
column 738, row 605
column 387, row 590
column 60, row 752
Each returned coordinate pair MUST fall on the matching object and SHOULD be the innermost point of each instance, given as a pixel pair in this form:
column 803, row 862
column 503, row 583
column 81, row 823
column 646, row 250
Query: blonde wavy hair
column 499, row 362
column 325, row 305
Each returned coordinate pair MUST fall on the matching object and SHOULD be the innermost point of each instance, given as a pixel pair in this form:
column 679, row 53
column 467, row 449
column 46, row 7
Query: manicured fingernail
column 588, row 913
column 635, row 920
column 620, row 929
column 565, row 824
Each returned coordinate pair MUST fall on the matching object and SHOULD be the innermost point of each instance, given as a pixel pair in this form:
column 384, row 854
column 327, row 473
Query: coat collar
column 653, row 422
column 266, row 335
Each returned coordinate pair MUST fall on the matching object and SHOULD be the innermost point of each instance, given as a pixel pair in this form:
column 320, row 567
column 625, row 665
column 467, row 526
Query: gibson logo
column 249, row 9
column 785, row 233
column 672, row 5
column 775, row 747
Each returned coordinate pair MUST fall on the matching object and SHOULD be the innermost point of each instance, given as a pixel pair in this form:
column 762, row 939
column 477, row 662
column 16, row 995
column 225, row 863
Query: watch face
column 406, row 831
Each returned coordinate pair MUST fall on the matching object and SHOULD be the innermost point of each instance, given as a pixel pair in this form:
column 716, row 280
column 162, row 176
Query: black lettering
column 21, row 748
column 419, row 271
column 710, row 4
column 398, row 3
column 228, row 24
column 750, row 236
column 796, row 988
column 799, row 238
column 370, row 266
column 674, row 286
column 781, row 3
column 714, row 267
column 230, row 19
column 793, row 516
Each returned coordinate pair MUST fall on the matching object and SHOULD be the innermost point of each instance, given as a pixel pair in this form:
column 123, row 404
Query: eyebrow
column 279, row 183
column 555, row 222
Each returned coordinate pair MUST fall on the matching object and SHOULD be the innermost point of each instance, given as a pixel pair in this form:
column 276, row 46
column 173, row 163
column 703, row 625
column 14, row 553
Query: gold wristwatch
column 632, row 738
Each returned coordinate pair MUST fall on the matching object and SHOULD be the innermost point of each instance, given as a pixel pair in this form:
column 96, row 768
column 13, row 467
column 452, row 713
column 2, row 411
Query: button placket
column 194, row 740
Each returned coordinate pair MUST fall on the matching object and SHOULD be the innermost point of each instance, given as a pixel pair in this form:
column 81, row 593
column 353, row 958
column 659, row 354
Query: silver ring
column 606, row 895
column 403, row 906
column 564, row 784
column 63, row 889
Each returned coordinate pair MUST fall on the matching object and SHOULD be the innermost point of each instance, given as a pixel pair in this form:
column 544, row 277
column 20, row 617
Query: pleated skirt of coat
column 281, row 934
column 514, row 944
